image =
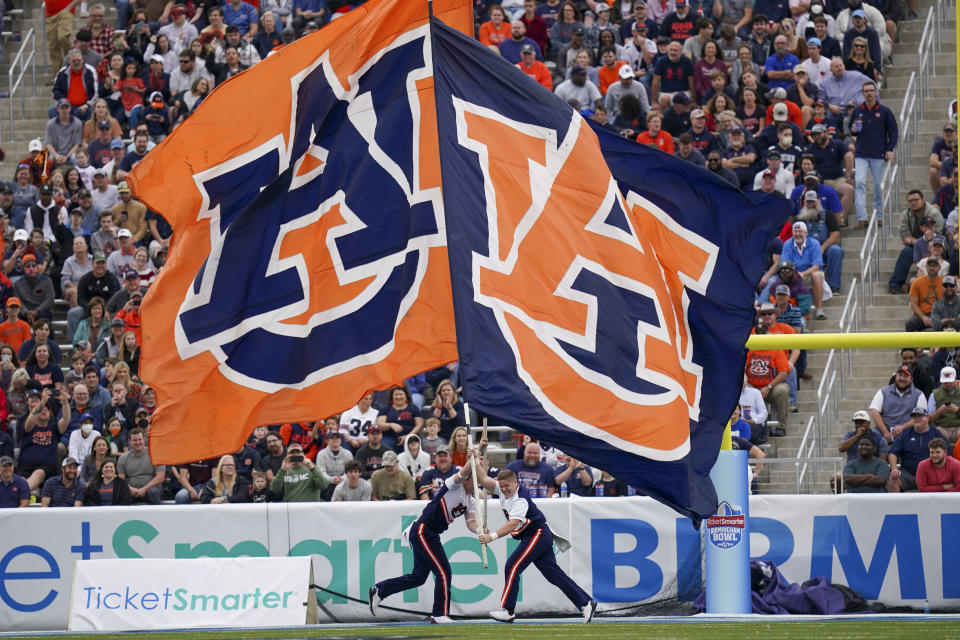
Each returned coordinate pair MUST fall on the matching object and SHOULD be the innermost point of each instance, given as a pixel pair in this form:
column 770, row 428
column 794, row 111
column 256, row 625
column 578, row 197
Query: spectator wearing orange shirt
column 609, row 71
column 654, row 136
column 495, row 30
column 130, row 314
column 767, row 371
column 534, row 68
column 14, row 331
column 769, row 314
column 779, row 96
column 923, row 293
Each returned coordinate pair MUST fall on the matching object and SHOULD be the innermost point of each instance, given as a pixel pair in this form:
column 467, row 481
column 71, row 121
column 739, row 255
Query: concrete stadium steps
column 871, row 367
column 31, row 125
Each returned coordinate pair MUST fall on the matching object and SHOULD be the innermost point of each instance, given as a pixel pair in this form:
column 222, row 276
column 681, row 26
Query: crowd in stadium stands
column 915, row 429
column 771, row 95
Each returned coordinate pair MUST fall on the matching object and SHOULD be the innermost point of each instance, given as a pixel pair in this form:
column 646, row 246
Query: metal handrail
column 869, row 261
column 926, row 61
column 890, row 200
column 47, row 71
column 24, row 60
column 805, row 472
column 826, row 398
column 850, row 321
column 804, row 451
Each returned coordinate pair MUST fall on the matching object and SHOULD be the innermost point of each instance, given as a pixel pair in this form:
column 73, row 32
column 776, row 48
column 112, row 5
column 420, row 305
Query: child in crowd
column 85, row 168
column 432, row 441
column 75, row 374
column 261, row 492
column 157, row 117
column 413, row 460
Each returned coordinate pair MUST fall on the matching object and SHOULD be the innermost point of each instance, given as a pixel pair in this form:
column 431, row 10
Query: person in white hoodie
column 331, row 460
column 413, row 460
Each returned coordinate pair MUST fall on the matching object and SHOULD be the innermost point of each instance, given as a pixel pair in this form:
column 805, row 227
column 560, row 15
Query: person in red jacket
column 939, row 472
column 536, row 26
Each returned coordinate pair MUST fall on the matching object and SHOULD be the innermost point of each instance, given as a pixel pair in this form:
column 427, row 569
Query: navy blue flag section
column 602, row 312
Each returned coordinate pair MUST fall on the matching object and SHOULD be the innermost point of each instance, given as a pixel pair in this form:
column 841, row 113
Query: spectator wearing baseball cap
column 533, row 67
column 861, row 429
column 130, row 215
column 179, row 30
column 946, row 310
column 626, row 86
column 390, row 482
column 64, row 133
column 941, row 151
column 34, row 291
column 740, row 157
column 892, row 405
column 924, row 292
column 117, row 152
column 122, row 256
column 769, row 318
column 13, row 330
column 919, row 223
column 944, row 403
column 66, row 489
column 14, row 490
column 676, row 20
column 909, row 448
column 130, row 314
column 817, row 64
column 789, row 313
column 834, row 162
column 677, row 119
column 783, row 182
column 803, row 92
column 579, row 91
column 104, row 193
column 370, row 455
column 861, row 46
column 299, row 479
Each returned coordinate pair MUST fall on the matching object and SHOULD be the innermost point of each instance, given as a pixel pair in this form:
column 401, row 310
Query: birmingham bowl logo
column 320, row 239
column 725, row 529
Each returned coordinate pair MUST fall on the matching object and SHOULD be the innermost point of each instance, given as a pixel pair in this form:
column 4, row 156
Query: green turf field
column 801, row 630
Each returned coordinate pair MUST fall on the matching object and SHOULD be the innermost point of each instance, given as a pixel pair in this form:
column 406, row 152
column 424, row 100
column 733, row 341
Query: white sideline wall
column 625, row 550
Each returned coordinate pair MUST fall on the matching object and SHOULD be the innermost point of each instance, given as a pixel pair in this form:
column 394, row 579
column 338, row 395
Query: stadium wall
column 626, row 551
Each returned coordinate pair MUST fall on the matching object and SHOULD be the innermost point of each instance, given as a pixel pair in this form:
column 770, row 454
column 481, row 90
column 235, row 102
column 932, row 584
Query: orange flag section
column 201, row 413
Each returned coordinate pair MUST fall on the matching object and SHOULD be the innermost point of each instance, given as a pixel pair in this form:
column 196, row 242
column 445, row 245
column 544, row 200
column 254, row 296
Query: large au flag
column 602, row 290
column 387, row 194
column 308, row 262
